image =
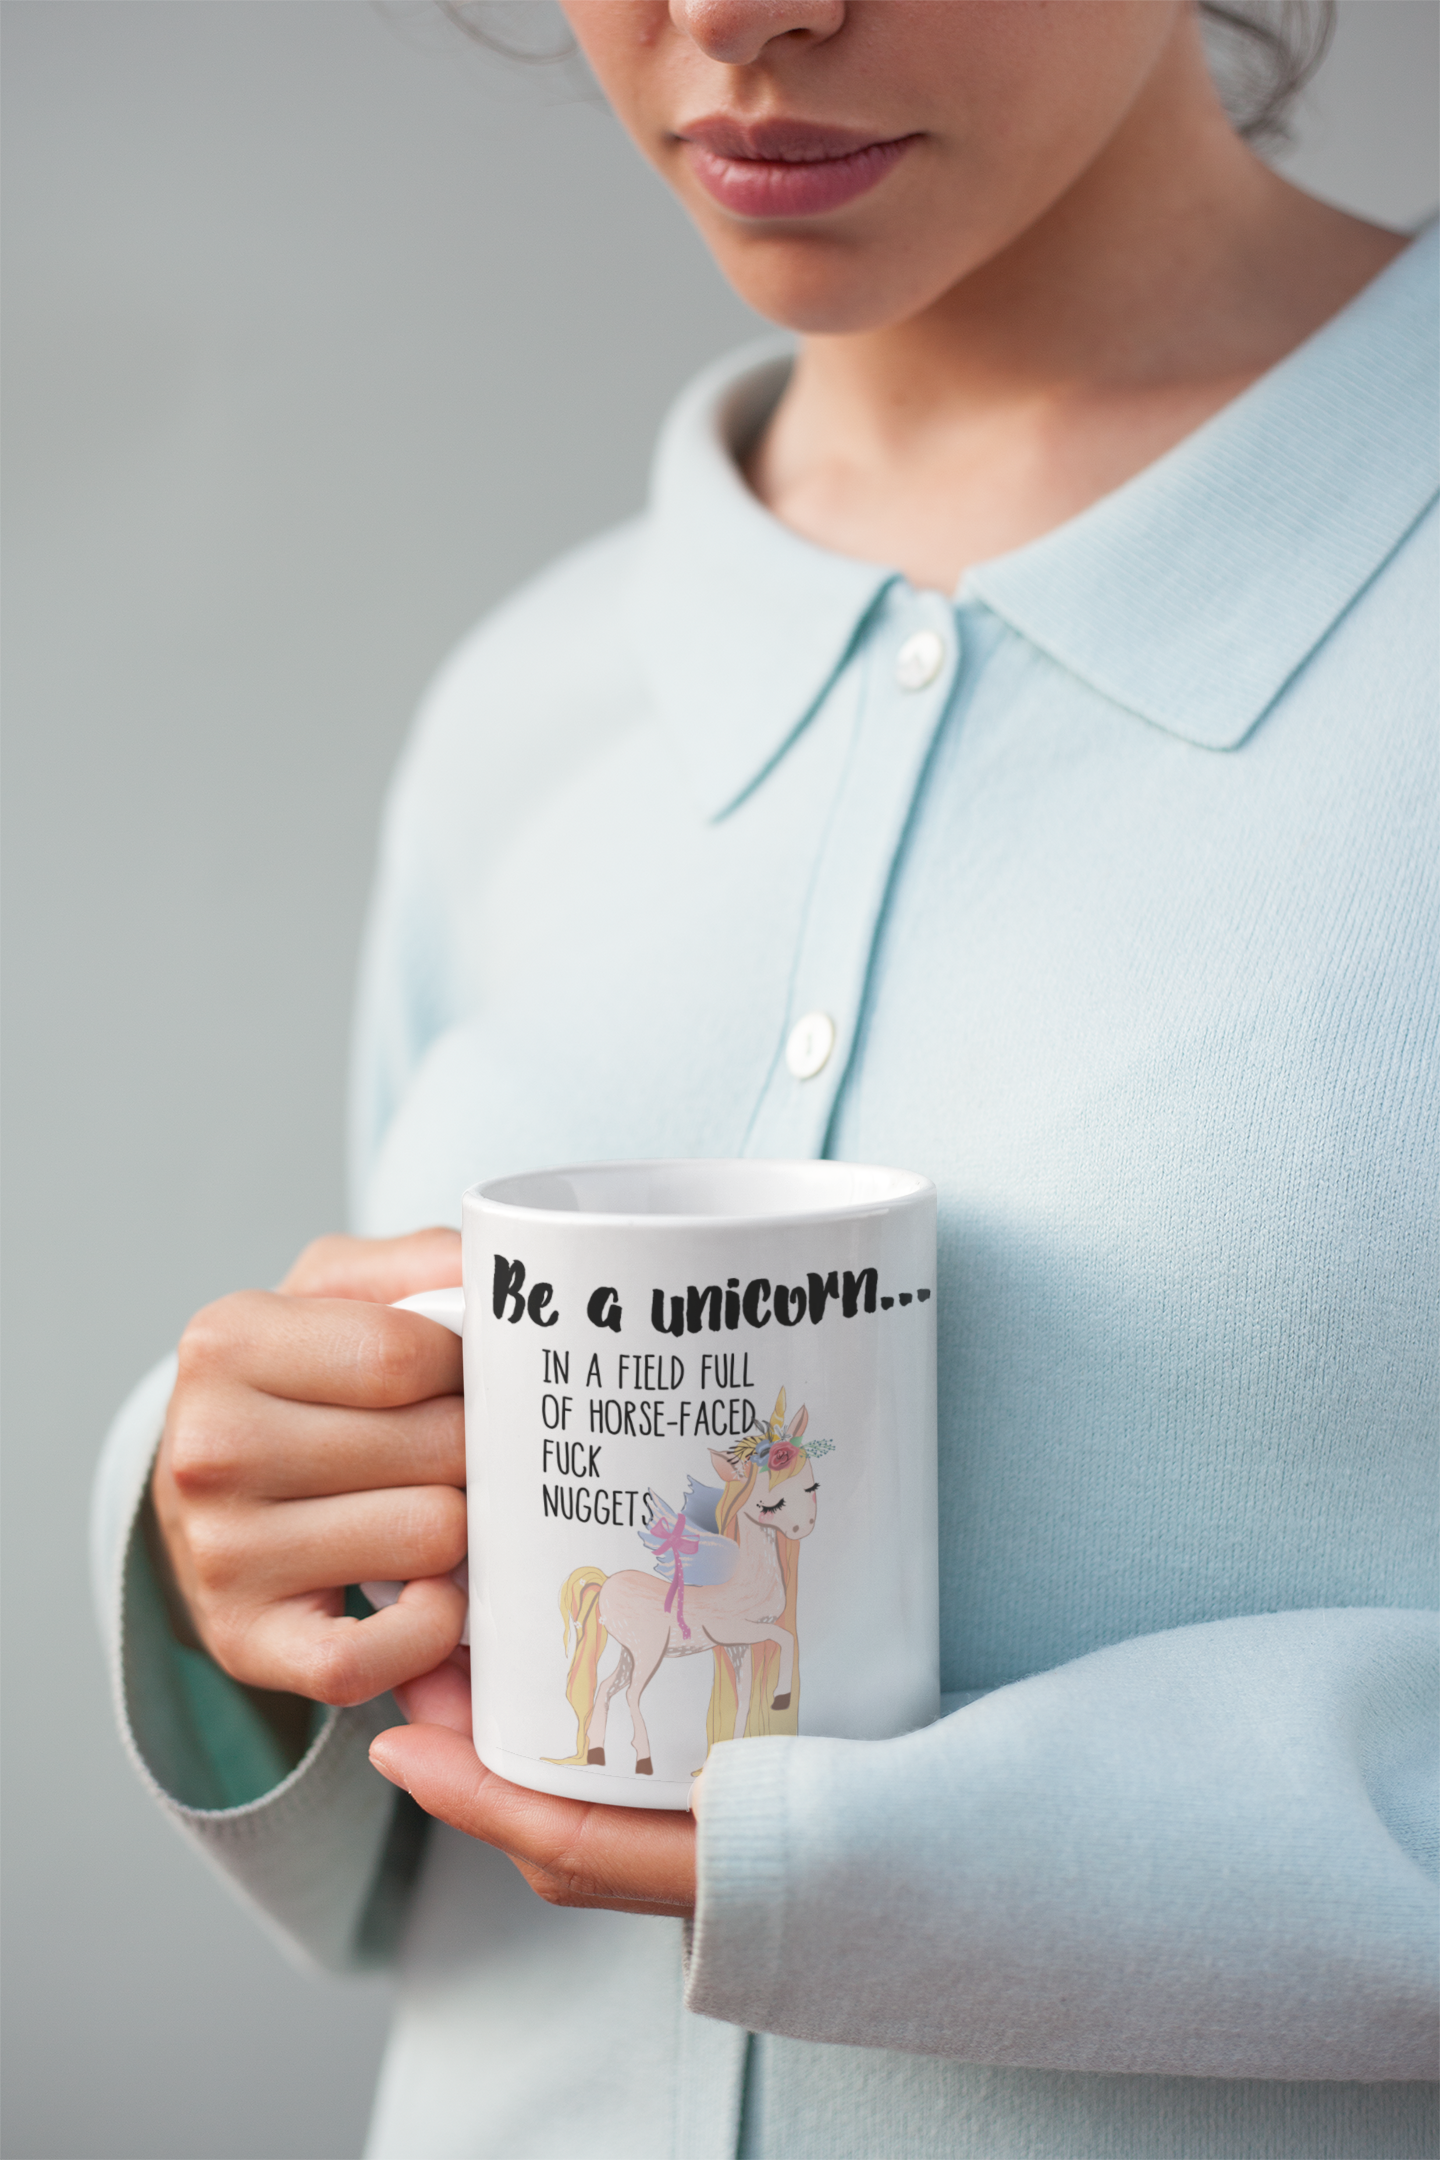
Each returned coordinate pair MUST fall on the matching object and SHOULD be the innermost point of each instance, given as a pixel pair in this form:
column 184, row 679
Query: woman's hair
column 1262, row 52
column 496, row 24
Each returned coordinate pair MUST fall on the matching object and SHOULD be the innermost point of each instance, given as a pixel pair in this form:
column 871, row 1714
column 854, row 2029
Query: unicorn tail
column 572, row 1596
column 578, row 1600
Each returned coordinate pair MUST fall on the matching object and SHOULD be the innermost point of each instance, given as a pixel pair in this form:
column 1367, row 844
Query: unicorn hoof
column 644, row 1767
column 596, row 1757
column 781, row 1702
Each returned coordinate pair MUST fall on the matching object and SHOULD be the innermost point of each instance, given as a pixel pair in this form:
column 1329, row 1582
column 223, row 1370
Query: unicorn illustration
column 725, row 1579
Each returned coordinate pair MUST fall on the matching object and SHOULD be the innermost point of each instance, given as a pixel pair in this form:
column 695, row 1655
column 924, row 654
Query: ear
column 798, row 1423
column 724, row 1468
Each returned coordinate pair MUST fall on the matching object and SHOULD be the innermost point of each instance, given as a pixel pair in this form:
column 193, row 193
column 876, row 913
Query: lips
column 786, row 168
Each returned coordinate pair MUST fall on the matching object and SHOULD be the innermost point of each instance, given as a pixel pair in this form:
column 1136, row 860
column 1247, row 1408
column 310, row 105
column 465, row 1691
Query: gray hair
column 1262, row 53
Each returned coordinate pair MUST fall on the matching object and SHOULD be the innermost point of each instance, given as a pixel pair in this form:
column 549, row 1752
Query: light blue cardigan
column 1126, row 923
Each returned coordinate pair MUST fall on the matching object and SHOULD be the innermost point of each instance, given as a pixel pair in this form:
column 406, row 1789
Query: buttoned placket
column 909, row 660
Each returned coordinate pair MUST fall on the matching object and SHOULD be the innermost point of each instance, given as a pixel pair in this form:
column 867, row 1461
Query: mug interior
column 705, row 1189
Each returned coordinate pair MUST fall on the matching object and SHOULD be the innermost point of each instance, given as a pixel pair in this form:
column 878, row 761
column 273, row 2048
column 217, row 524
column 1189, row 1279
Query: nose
column 738, row 31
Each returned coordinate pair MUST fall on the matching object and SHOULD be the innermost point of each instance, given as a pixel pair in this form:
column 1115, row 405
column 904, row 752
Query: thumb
column 440, row 1697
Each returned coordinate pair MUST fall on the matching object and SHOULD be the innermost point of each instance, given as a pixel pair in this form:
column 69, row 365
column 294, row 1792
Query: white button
column 920, row 659
column 811, row 1041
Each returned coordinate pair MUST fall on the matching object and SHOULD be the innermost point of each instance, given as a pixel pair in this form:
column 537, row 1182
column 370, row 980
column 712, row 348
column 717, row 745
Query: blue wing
column 715, row 1559
column 699, row 1505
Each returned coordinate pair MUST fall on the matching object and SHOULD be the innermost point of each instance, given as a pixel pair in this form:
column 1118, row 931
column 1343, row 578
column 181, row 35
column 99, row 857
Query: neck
column 1176, row 270
column 758, row 1553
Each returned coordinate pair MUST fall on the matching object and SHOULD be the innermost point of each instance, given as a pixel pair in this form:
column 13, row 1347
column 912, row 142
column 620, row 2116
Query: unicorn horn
column 777, row 1422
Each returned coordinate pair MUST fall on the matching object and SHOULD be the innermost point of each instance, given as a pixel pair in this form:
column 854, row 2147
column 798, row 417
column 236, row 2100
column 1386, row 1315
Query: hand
column 317, row 1439
column 571, row 1852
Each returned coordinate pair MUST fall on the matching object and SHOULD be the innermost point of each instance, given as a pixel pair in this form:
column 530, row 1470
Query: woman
column 1022, row 701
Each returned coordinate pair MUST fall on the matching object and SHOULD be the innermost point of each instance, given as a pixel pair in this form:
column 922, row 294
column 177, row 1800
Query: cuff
column 734, row 1947
column 320, row 1851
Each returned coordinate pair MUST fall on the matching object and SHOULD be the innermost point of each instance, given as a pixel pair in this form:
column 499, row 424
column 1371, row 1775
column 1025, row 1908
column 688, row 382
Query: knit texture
column 1126, row 924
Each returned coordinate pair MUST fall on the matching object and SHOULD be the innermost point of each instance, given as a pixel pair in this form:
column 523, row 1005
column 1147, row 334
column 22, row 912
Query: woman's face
column 848, row 161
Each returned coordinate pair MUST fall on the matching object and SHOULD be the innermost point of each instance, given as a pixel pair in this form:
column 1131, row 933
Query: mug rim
column 911, row 1186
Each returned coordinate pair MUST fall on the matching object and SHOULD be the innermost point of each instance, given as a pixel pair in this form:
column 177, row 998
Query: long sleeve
column 319, row 1851
column 1209, row 1853
column 323, row 1849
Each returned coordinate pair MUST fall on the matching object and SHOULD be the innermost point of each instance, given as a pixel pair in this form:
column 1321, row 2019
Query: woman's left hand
column 571, row 1852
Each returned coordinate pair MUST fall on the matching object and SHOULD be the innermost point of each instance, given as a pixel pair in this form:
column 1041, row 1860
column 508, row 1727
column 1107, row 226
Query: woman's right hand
column 315, row 1439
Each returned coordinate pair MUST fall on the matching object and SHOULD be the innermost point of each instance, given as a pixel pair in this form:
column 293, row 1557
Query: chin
column 821, row 287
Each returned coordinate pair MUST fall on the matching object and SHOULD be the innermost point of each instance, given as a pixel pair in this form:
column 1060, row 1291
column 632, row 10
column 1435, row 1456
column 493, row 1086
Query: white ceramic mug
column 700, row 1448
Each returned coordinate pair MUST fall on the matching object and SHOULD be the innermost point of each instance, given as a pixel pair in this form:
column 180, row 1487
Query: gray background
column 324, row 328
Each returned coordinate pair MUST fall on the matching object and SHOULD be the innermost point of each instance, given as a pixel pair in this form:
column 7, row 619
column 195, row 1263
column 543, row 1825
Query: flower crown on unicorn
column 775, row 1448
column 739, row 1575
column 695, row 1544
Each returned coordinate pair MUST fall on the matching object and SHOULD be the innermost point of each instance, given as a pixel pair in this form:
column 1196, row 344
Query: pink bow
column 677, row 1542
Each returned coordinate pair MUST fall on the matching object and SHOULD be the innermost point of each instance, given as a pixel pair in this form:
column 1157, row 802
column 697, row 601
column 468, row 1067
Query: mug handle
column 447, row 1309
column 445, row 1306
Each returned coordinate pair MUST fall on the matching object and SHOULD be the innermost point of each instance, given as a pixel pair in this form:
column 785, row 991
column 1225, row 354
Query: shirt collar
column 1193, row 593
column 740, row 624
column 1189, row 596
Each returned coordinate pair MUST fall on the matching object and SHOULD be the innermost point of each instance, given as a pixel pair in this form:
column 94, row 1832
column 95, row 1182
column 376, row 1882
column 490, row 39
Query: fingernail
column 377, row 1758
